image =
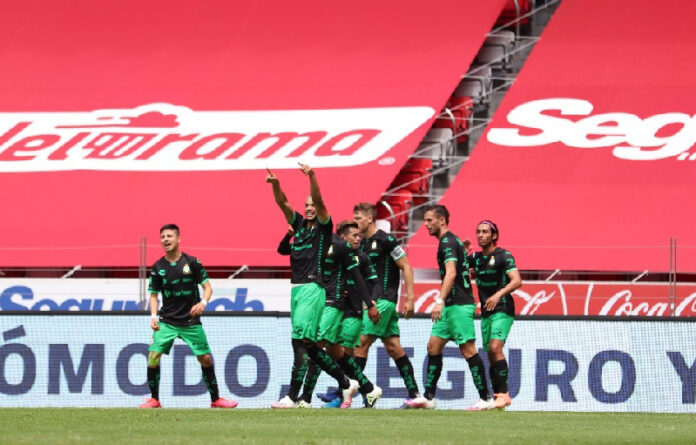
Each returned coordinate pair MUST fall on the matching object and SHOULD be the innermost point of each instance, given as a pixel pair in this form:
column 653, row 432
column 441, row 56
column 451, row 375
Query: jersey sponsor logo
column 661, row 136
column 165, row 137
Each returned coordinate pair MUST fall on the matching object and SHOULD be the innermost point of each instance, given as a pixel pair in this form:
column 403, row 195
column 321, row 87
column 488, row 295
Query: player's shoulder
column 450, row 238
column 499, row 251
column 160, row 263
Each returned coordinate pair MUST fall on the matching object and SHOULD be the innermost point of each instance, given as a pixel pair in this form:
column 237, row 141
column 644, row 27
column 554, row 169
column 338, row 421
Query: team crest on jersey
column 374, row 245
column 330, row 252
column 357, row 260
column 491, row 262
column 187, row 269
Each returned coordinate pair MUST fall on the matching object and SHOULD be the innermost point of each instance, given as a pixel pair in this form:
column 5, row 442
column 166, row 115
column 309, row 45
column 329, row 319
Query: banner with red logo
column 585, row 298
column 590, row 163
column 119, row 117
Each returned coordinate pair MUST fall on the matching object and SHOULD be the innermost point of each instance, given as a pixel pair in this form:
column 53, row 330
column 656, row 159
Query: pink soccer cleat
column 150, row 403
column 224, row 403
column 502, row 400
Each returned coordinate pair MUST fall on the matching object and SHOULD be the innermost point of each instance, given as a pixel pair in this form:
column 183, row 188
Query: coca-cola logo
column 164, row 137
column 631, row 137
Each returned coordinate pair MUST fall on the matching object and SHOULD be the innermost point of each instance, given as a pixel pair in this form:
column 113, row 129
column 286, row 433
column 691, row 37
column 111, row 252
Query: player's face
column 484, row 235
column 433, row 223
column 352, row 237
column 169, row 240
column 310, row 212
column 362, row 219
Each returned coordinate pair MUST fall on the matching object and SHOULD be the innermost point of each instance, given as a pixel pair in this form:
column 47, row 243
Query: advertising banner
column 100, row 361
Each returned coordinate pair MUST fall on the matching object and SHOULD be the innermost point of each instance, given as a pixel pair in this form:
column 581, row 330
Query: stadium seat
column 514, row 9
column 416, row 177
column 396, row 208
column 438, row 144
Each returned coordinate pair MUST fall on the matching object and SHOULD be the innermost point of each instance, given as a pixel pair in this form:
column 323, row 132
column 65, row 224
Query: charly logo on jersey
column 661, row 136
column 165, row 137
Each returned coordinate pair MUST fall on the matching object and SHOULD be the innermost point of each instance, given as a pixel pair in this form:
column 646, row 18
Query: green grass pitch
column 320, row 426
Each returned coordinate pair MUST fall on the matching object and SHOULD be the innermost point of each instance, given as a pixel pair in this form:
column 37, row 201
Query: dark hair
column 173, row 227
column 343, row 226
column 493, row 226
column 440, row 211
column 366, row 208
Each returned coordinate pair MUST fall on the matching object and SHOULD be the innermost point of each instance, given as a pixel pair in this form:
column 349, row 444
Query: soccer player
column 453, row 315
column 388, row 258
column 177, row 276
column 496, row 278
column 312, row 237
column 345, row 289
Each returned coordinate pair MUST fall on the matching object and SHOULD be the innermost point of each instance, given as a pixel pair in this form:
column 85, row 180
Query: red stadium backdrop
column 113, row 123
column 589, row 163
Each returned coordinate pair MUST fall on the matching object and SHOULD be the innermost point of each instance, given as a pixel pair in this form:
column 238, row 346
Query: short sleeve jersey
column 178, row 283
column 491, row 275
column 449, row 249
column 339, row 260
column 309, row 248
column 369, row 274
column 384, row 251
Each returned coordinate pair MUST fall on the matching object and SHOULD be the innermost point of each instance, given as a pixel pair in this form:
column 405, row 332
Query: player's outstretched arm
column 279, row 196
column 403, row 264
column 315, row 193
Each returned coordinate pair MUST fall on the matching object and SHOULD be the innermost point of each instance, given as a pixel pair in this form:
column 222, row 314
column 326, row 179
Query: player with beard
column 453, row 316
column 496, row 278
column 312, row 238
column 389, row 259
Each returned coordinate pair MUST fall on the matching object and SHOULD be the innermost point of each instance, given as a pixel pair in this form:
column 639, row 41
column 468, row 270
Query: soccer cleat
column 329, row 396
column 502, row 400
column 373, row 396
column 304, row 404
column 335, row 403
column 150, row 403
column 223, row 403
column 348, row 393
column 421, row 402
column 284, row 403
column 482, row 405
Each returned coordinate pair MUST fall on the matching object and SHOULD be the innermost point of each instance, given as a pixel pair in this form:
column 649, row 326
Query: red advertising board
column 589, row 163
column 585, row 298
column 119, row 117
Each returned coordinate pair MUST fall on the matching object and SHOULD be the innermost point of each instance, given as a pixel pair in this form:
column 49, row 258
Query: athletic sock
column 324, row 361
column 406, row 370
column 211, row 382
column 499, row 376
column 299, row 368
column 352, row 369
column 478, row 374
column 433, row 375
column 361, row 361
column 153, row 379
column 310, row 381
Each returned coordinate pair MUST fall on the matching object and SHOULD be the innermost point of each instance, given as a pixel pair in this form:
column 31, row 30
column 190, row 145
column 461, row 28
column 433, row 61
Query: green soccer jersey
column 449, row 249
column 354, row 301
column 338, row 261
column 308, row 249
column 178, row 283
column 383, row 251
column 491, row 276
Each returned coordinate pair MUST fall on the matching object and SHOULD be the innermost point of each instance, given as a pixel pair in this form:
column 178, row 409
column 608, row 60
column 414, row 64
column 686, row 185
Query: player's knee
column 394, row 349
column 153, row 359
column 434, row 348
column 468, row 349
column 206, row 360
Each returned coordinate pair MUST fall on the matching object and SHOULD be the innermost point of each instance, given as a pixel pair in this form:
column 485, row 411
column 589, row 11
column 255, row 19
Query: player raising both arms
column 388, row 259
column 177, row 276
column 453, row 314
column 496, row 277
column 312, row 237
